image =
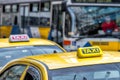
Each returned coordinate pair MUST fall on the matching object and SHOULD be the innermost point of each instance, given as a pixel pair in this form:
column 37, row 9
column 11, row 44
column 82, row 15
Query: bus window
column 44, row 21
column 67, row 25
column 45, row 6
column 34, row 7
column 7, row 8
column 97, row 1
column 15, row 8
column 33, row 21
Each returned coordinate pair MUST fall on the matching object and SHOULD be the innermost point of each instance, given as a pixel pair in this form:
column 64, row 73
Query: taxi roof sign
column 19, row 38
column 94, row 51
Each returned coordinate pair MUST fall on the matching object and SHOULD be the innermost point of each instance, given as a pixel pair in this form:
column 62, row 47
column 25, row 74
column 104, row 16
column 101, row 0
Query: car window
column 109, row 75
column 8, row 55
column 13, row 73
column 32, row 74
column 92, row 72
column 46, row 49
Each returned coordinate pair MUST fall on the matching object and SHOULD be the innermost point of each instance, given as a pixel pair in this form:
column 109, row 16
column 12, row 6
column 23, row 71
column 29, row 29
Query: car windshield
column 92, row 20
column 8, row 54
column 94, row 72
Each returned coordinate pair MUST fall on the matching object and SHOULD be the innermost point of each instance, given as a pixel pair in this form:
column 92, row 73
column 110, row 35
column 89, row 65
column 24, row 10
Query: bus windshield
column 92, row 20
column 94, row 72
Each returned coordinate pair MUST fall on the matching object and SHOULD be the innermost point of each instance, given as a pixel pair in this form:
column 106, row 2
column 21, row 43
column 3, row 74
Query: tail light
column 66, row 42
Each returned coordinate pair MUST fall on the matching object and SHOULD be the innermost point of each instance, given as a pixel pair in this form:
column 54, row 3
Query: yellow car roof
column 70, row 59
column 33, row 41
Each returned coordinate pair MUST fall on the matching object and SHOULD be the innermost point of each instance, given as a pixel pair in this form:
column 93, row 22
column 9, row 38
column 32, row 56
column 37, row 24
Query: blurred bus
column 25, row 16
column 80, row 23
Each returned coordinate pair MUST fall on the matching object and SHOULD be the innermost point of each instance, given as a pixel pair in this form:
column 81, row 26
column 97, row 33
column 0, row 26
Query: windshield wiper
column 81, row 37
column 74, row 77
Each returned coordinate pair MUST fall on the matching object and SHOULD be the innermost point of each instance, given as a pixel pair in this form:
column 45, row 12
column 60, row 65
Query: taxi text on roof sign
column 89, row 52
column 18, row 38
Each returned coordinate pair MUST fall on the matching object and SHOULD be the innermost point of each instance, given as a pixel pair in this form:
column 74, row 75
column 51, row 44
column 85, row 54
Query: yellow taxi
column 90, row 63
column 17, row 46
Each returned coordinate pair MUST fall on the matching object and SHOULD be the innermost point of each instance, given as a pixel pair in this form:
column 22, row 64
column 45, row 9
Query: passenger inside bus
column 109, row 25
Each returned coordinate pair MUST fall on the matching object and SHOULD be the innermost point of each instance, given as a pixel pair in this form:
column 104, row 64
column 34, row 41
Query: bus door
column 24, row 12
column 56, row 23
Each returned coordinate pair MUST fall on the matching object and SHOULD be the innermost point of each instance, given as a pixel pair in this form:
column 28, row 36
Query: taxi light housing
column 89, row 52
column 19, row 38
column 66, row 42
